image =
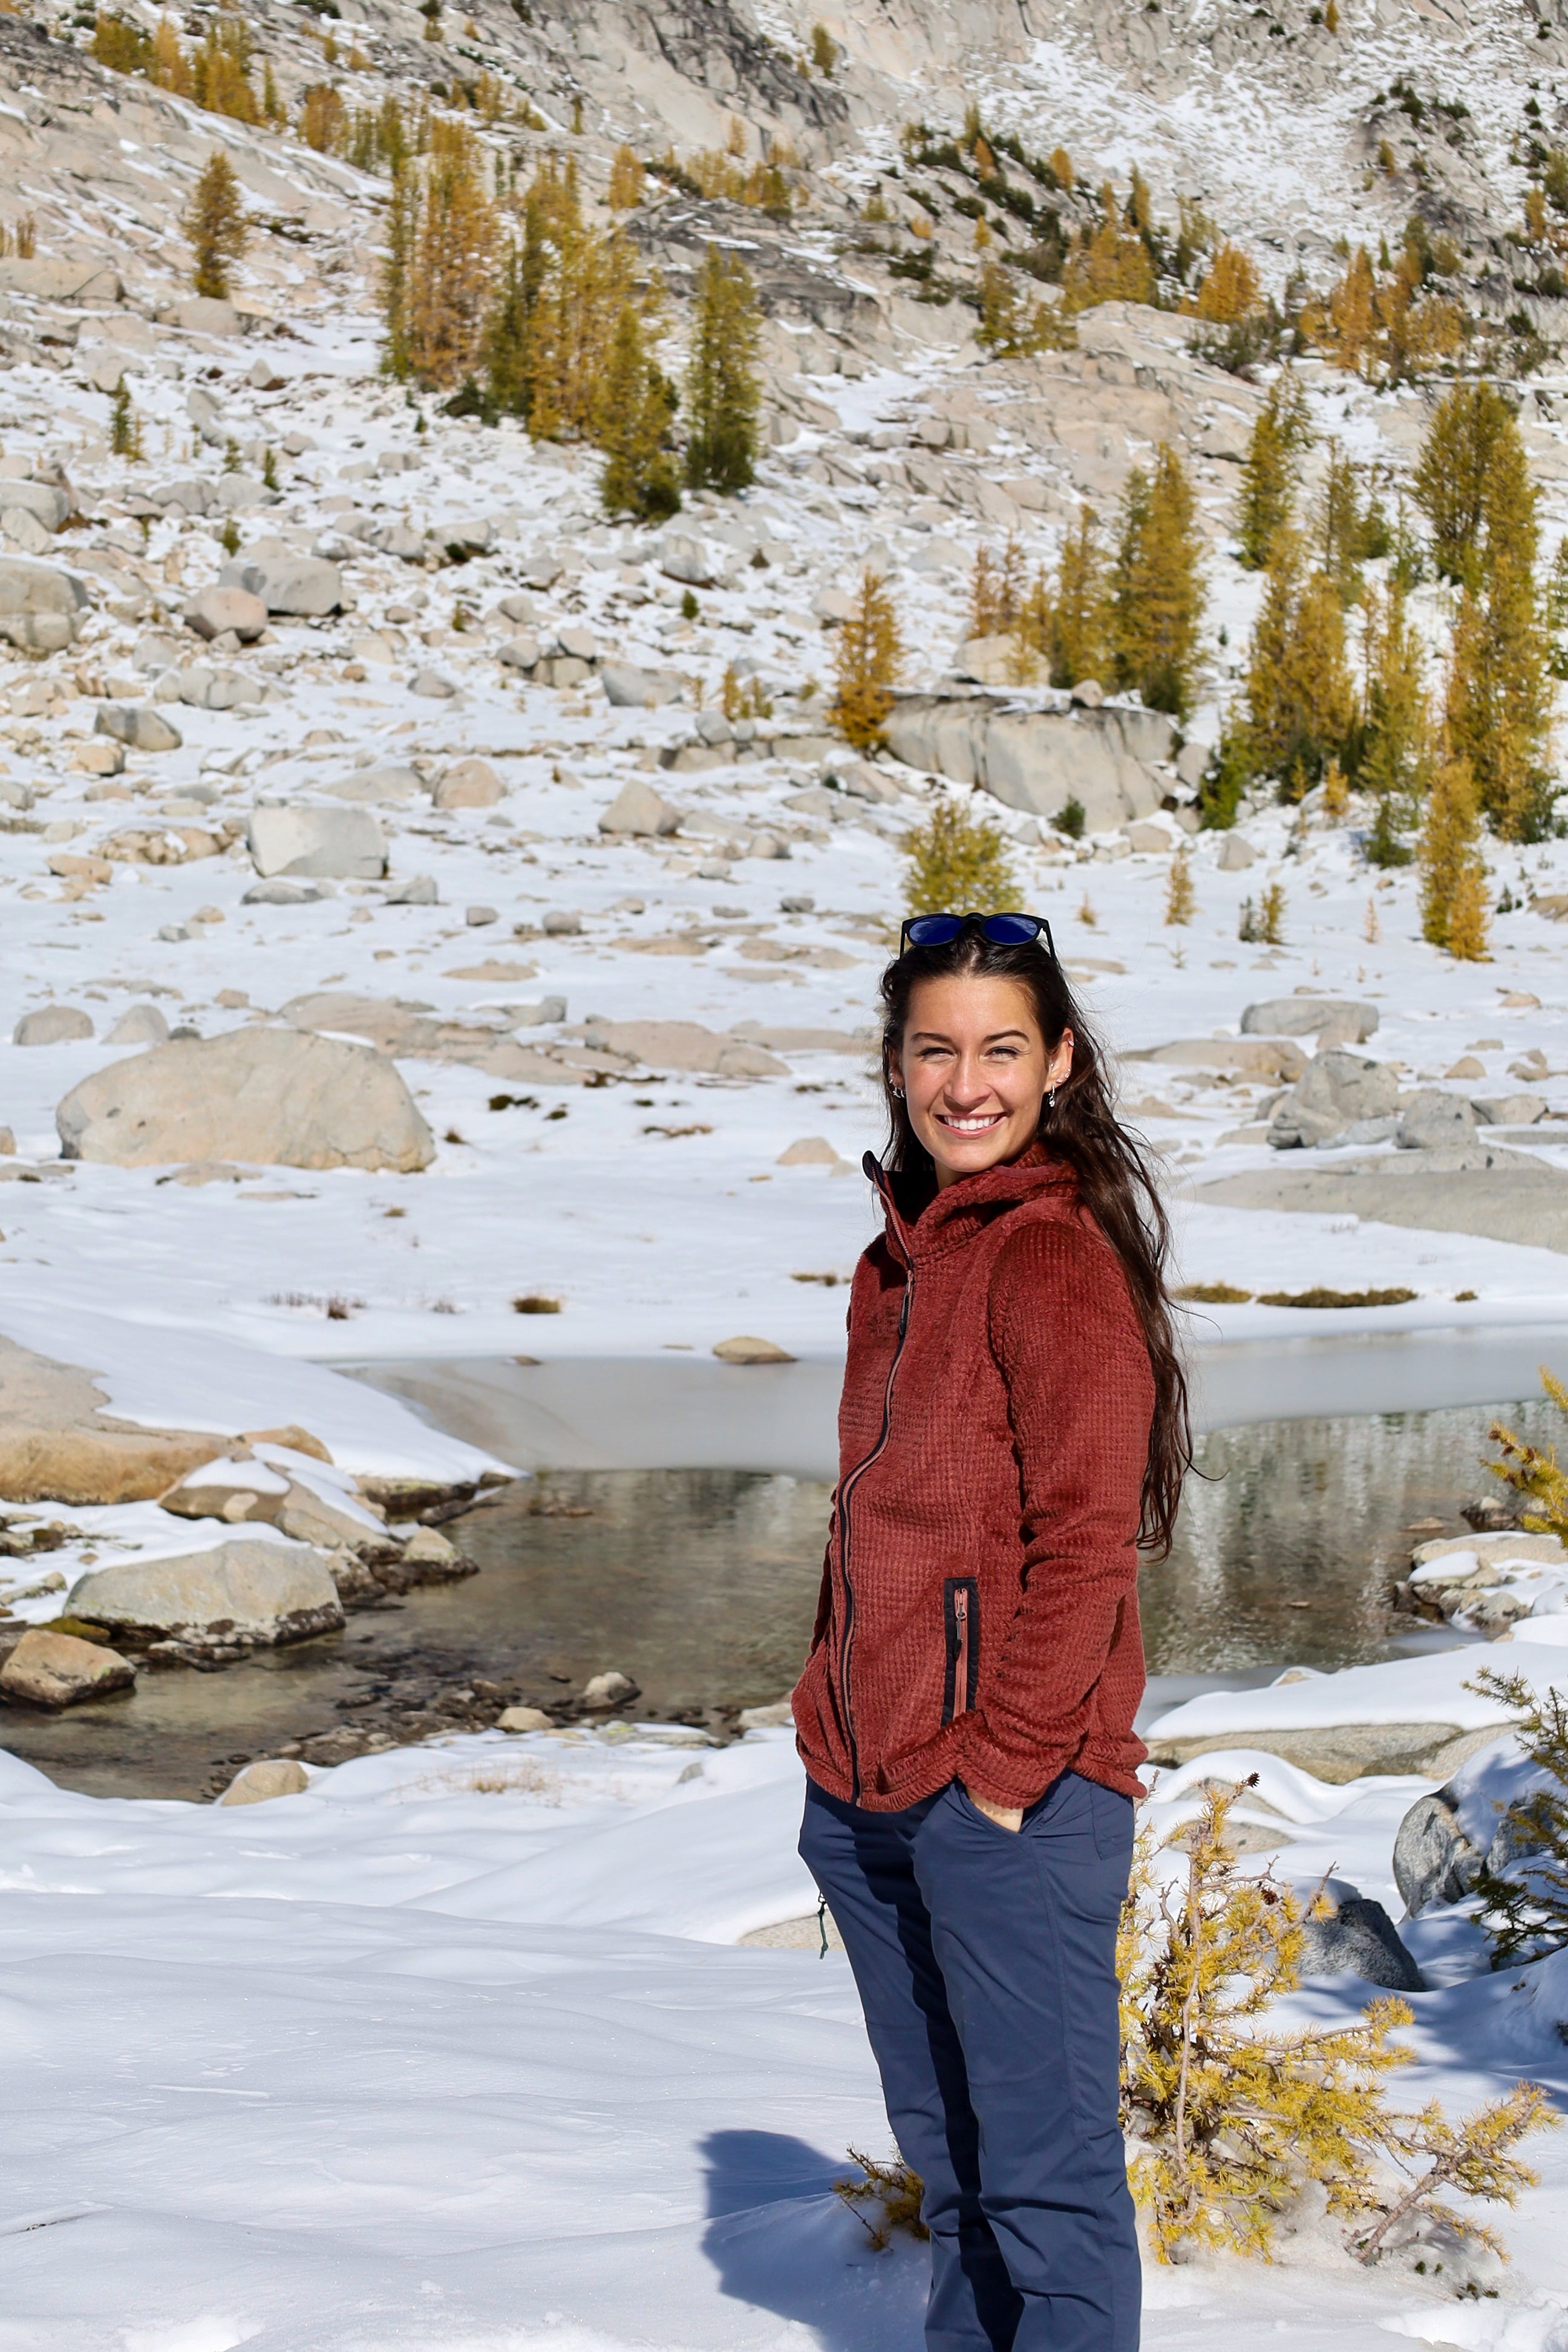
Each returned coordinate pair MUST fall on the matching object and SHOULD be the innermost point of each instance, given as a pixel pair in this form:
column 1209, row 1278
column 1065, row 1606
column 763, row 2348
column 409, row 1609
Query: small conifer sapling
column 956, row 861
column 214, row 223
column 866, row 657
column 1180, row 899
column 722, row 392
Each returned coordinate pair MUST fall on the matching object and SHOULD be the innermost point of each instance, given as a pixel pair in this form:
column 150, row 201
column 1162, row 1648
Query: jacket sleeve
column 1080, row 1394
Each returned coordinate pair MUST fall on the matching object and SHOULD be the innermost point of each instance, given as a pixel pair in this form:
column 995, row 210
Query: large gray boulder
column 1332, row 1020
column 58, row 1670
column 247, row 1591
column 46, row 279
column 138, row 726
column 45, row 501
column 51, row 1025
column 343, row 843
column 1359, row 1939
column 1335, row 1092
column 1429, row 1118
column 307, row 586
column 628, row 687
column 1433, row 1861
column 468, row 784
column 216, row 611
column 41, row 607
column 1038, row 760
column 282, row 1098
column 638, row 808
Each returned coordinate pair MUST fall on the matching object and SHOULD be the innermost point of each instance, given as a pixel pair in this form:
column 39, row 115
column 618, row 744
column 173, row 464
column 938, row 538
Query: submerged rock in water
column 57, row 1670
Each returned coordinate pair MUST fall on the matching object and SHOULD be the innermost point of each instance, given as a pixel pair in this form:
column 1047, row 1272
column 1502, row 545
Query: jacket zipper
column 960, row 1652
column 845, row 1495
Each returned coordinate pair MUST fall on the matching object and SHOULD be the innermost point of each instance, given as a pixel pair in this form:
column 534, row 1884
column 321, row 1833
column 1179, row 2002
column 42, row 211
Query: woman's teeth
column 977, row 1126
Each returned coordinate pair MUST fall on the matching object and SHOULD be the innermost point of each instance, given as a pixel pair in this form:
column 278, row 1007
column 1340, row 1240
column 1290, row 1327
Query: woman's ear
column 1059, row 1069
column 895, row 1070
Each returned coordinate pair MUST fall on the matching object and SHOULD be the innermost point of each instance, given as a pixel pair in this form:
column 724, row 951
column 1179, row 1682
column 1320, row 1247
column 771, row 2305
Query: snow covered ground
column 457, row 2051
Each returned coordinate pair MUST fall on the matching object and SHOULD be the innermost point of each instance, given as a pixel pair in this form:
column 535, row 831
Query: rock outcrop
column 1040, row 760
column 278, row 1097
column 247, row 1592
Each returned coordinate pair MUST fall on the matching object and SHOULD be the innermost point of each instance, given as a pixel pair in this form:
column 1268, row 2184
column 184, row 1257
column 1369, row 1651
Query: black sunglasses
column 1002, row 930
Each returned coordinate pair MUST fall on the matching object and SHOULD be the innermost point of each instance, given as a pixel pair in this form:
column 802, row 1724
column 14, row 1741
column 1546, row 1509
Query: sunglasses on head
column 1002, row 930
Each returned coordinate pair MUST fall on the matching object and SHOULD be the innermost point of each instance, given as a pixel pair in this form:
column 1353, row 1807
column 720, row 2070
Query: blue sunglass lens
column 934, row 930
column 1011, row 930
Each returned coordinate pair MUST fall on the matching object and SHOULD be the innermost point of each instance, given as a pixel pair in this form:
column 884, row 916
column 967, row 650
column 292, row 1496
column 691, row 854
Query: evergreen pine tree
column 1078, row 645
column 955, row 861
column 640, row 477
column 452, row 264
column 1299, row 703
column 1156, row 587
column 866, row 659
column 1499, row 704
column 124, row 428
column 1396, row 726
column 216, row 225
column 1272, row 469
column 1341, row 532
column 723, row 393
column 1469, row 428
column 397, row 358
column 1453, row 878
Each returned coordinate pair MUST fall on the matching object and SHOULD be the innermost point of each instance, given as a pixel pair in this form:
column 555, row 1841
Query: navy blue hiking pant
column 986, row 1960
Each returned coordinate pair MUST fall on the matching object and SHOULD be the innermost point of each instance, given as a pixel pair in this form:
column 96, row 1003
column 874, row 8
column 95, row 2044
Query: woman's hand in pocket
column 1007, row 1817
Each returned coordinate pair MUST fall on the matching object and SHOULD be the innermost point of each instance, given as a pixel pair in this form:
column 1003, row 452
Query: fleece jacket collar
column 952, row 1218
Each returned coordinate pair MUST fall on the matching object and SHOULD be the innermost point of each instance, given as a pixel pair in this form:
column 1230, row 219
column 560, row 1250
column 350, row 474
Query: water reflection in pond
column 703, row 1585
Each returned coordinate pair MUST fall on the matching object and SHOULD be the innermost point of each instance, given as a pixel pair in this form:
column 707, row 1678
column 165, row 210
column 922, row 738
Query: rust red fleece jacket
column 979, row 1609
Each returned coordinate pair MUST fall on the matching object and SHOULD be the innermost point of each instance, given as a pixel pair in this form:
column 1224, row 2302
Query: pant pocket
column 1113, row 1816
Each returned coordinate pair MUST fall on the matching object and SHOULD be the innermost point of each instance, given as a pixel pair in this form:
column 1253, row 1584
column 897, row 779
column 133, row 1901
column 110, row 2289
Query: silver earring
column 1050, row 1100
column 900, row 1092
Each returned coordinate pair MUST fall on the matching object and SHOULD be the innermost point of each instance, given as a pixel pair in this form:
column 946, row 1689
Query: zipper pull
column 822, row 1924
column 904, row 1310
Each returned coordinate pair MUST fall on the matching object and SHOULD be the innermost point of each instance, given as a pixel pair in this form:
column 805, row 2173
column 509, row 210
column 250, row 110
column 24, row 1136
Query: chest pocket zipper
column 961, row 1613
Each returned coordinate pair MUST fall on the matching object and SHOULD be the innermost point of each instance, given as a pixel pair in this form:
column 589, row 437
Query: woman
column 1013, row 1430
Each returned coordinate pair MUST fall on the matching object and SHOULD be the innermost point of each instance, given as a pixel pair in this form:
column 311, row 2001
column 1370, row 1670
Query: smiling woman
column 1013, row 1431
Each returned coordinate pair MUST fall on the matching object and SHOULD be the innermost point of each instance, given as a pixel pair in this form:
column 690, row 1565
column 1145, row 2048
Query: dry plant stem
column 1194, row 1928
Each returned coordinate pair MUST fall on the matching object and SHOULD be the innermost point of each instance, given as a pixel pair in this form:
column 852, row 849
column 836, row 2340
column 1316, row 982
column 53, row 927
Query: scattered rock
column 41, row 607
column 523, row 1718
column 47, row 505
column 341, row 842
column 428, row 1547
column 140, row 1024
column 228, row 1490
column 268, row 1776
column 682, row 1045
column 1333, row 1020
column 1433, row 1861
column 1361, row 1939
column 138, row 726
column 561, row 923
column 432, row 683
column 746, row 1350
column 638, row 809
column 392, row 786
column 216, row 611
column 419, row 890
column 808, row 1151
column 777, row 1713
column 1430, row 1118
column 1040, row 760
column 612, row 1689
column 305, row 586
column 51, row 1025
column 1336, row 1090
column 1508, row 1110
column 281, row 893
column 56, row 1670
column 280, row 1098
column 247, row 1592
column 631, row 688
column 1237, row 854
column 1346, row 1751
column 468, row 784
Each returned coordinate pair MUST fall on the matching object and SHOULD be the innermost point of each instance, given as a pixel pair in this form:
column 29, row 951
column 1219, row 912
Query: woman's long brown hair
column 1115, row 1182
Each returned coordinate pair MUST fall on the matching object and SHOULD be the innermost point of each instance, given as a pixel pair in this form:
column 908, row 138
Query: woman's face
column 975, row 1068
